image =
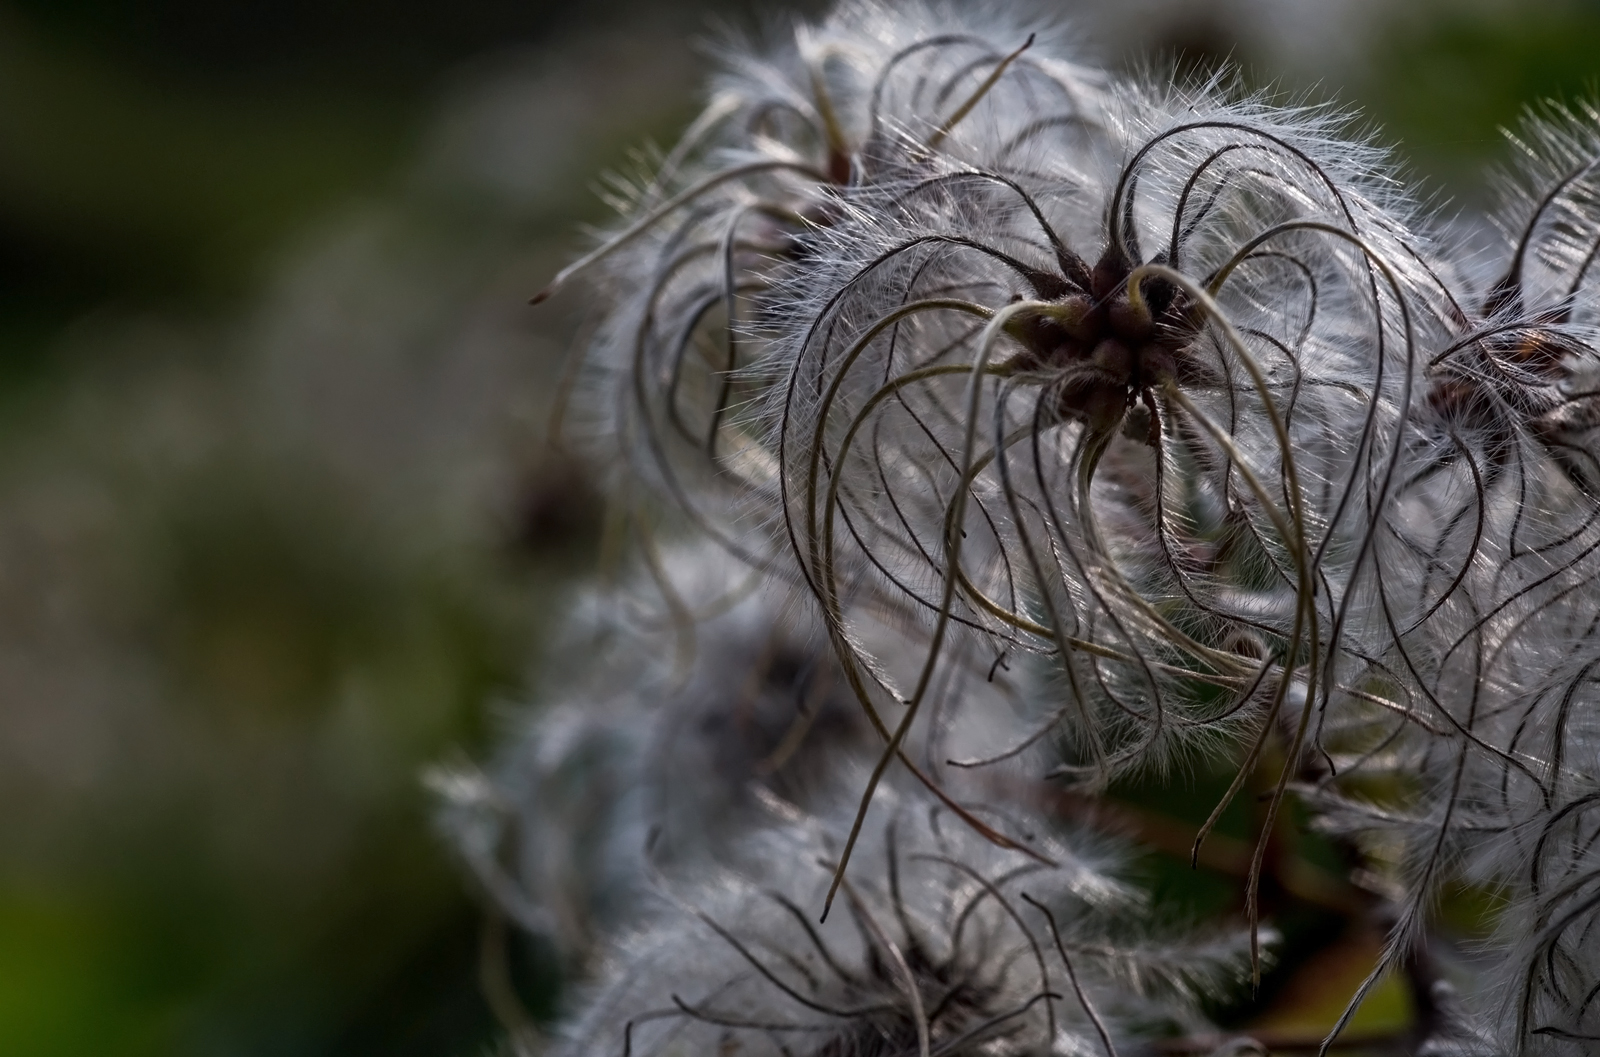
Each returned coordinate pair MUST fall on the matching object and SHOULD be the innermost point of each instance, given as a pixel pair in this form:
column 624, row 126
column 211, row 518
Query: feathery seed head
column 658, row 741
column 949, row 945
column 1090, row 423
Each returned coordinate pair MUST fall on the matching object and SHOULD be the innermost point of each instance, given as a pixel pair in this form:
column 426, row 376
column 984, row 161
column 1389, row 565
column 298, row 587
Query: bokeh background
column 278, row 522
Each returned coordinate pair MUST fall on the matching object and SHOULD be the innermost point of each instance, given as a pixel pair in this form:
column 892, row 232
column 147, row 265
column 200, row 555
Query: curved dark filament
column 1073, row 268
column 993, row 889
column 1072, row 976
column 875, row 105
column 1507, row 293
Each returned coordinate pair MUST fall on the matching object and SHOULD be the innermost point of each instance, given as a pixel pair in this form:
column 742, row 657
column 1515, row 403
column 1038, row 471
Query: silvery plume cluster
column 983, row 430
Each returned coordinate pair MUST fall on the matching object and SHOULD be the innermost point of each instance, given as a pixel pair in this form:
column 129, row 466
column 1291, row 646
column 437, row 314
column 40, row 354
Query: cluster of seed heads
column 984, row 429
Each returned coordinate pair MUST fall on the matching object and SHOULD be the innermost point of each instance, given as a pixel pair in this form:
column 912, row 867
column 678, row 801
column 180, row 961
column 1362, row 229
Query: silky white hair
column 942, row 943
column 1062, row 426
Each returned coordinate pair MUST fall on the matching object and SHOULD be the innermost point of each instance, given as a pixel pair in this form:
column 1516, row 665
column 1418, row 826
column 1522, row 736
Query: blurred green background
column 277, row 523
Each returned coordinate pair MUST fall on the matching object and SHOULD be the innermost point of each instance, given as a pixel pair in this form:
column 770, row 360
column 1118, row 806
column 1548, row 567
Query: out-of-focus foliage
column 276, row 528
column 117, row 184
column 1450, row 77
column 276, row 523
